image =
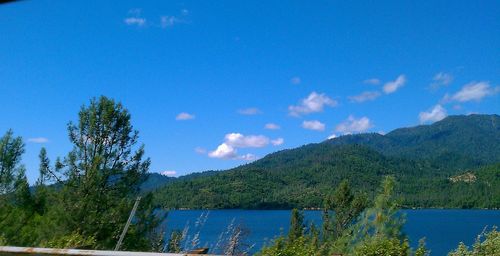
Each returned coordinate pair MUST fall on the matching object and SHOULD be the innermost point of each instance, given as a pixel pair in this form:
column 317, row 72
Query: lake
column 443, row 229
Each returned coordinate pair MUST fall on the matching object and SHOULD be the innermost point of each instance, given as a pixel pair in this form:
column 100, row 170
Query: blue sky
column 215, row 84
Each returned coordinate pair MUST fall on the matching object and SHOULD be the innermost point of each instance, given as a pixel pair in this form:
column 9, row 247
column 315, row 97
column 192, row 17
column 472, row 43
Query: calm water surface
column 443, row 229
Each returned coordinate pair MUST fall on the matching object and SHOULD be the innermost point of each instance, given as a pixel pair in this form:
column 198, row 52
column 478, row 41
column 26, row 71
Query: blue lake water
column 443, row 229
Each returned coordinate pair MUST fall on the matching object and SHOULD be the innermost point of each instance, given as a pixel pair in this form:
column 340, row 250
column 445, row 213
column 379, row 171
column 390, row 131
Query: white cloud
column 277, row 141
column 233, row 141
column 313, row 103
column 249, row 111
column 441, row 79
column 435, row 114
column 223, row 151
column 353, row 125
column 365, row 96
column 272, row 126
column 474, row 91
column 393, row 86
column 169, row 173
column 247, row 157
column 239, row 140
column 373, row 81
column 184, row 116
column 295, row 80
column 333, row 136
column 137, row 21
column 313, row 125
column 38, row 140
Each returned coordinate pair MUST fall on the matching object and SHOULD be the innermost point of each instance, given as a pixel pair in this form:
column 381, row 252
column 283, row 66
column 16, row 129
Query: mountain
column 456, row 141
column 431, row 163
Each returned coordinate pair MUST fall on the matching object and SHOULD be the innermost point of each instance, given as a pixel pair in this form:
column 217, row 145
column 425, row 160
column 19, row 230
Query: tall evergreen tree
column 102, row 175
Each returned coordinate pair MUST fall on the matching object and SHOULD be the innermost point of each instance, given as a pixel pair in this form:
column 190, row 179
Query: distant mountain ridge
column 422, row 158
column 473, row 140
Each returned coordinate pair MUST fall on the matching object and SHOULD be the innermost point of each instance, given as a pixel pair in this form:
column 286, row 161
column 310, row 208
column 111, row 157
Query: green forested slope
column 422, row 158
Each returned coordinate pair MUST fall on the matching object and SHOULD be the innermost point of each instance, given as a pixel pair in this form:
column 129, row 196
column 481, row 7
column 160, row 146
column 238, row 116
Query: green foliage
column 11, row 150
column 486, row 244
column 73, row 240
column 376, row 232
column 92, row 192
column 383, row 246
column 296, row 225
column 341, row 209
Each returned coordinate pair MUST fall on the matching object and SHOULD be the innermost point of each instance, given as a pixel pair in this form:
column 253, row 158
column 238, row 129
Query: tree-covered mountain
column 427, row 161
column 456, row 141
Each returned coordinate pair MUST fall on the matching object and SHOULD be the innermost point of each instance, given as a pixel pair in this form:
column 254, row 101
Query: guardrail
column 12, row 250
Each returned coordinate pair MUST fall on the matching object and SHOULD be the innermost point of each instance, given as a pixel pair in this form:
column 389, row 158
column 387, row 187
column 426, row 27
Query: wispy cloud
column 354, row 125
column 272, row 126
column 278, row 141
column 169, row 173
column 38, row 140
column 372, row 81
column 315, row 102
column 137, row 21
column 200, row 150
column 184, row 116
column 474, row 91
column 295, row 80
column 249, row 111
column 135, row 18
column 365, row 96
column 441, row 79
column 433, row 115
column 393, row 86
column 314, row 125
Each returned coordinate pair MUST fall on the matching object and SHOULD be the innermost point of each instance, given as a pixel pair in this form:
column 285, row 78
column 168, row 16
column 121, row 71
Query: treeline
column 82, row 200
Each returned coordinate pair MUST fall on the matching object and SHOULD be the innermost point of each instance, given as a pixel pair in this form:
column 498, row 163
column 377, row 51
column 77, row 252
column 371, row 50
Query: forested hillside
column 424, row 159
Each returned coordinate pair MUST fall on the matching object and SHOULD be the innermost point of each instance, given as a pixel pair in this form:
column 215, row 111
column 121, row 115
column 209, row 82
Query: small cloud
column 315, row 102
column 372, row 81
column 437, row 113
column 314, row 125
column 474, row 91
column 131, row 21
column 223, row 151
column 247, row 157
column 241, row 141
column 272, row 126
column 278, row 141
column 365, row 96
column 393, row 86
column 169, row 173
column 184, row 116
column 333, row 136
column 200, row 150
column 381, row 132
column 168, row 21
column 38, row 140
column 249, row 111
column 295, row 80
column 233, row 141
column 353, row 125
column 441, row 79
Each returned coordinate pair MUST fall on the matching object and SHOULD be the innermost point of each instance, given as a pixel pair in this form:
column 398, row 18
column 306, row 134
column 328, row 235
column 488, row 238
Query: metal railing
column 12, row 250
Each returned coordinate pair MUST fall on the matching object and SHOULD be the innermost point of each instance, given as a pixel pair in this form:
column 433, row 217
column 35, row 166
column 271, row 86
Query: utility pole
column 125, row 229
